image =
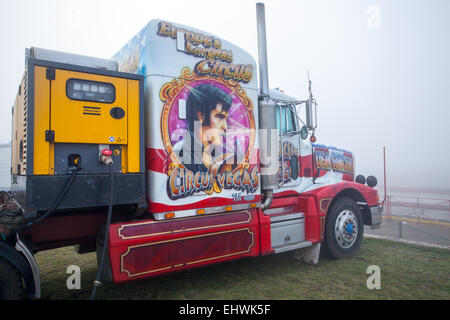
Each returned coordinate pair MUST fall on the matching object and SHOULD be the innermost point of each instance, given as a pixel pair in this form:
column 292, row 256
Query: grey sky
column 380, row 69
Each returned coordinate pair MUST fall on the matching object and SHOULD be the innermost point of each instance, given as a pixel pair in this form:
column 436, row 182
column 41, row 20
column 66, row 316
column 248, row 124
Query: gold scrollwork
column 241, row 93
column 171, row 89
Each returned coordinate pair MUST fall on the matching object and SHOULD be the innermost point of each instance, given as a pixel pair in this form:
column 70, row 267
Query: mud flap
column 309, row 254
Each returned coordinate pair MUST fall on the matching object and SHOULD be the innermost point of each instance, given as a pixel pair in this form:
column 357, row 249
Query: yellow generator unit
column 69, row 110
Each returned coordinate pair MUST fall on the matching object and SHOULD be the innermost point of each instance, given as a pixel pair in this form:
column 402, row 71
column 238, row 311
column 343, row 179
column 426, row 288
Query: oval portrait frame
column 169, row 93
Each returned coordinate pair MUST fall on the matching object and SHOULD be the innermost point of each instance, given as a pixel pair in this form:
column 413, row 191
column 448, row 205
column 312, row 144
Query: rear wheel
column 344, row 229
column 11, row 286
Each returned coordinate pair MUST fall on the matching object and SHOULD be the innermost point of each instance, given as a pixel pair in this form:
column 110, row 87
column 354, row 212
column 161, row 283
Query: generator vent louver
column 23, row 149
column 91, row 111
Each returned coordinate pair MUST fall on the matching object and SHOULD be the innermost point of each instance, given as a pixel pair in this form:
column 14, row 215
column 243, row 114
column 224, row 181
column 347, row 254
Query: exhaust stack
column 262, row 50
column 268, row 143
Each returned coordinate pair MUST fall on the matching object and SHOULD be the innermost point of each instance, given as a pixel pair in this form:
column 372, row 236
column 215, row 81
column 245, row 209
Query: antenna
column 310, row 86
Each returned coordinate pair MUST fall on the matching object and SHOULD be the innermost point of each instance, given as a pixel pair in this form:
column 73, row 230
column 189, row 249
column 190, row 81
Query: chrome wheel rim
column 346, row 229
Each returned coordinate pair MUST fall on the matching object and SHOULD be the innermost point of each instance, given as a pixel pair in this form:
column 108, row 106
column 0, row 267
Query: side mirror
column 304, row 133
column 309, row 114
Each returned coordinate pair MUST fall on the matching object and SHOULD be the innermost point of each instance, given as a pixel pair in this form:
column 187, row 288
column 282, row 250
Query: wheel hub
column 346, row 229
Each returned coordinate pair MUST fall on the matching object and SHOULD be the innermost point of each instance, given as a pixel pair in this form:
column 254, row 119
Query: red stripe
column 157, row 160
column 155, row 207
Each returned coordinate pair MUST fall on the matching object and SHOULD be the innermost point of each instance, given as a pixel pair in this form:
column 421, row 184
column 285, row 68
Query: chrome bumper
column 375, row 213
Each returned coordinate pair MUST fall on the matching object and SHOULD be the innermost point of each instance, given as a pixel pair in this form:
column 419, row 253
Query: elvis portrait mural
column 208, row 131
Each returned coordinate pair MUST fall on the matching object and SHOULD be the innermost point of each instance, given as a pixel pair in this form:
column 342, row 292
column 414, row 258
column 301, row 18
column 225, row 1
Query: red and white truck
column 223, row 167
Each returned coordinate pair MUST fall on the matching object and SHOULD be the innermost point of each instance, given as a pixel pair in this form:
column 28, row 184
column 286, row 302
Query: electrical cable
column 97, row 282
column 53, row 207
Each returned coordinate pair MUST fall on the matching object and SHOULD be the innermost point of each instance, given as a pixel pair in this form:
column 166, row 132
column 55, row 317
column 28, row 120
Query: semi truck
column 171, row 156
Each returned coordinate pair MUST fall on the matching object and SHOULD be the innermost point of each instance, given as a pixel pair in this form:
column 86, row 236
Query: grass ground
column 407, row 272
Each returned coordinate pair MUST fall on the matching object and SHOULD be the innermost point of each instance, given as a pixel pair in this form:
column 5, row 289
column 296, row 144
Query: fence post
column 390, row 208
column 418, row 216
column 387, row 209
column 400, row 231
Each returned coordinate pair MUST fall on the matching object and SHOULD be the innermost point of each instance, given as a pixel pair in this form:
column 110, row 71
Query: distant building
column 5, row 167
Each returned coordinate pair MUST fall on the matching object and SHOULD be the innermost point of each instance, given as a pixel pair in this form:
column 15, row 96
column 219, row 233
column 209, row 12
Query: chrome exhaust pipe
column 262, row 50
column 268, row 197
column 267, row 116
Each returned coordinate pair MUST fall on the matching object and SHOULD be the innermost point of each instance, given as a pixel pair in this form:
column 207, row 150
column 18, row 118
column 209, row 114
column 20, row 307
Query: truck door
column 287, row 228
column 289, row 142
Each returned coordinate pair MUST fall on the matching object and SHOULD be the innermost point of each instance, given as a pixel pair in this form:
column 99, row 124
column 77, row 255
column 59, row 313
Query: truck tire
column 11, row 285
column 344, row 229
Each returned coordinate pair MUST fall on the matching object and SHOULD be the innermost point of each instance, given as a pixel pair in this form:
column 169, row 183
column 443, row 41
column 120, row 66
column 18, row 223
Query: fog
column 380, row 69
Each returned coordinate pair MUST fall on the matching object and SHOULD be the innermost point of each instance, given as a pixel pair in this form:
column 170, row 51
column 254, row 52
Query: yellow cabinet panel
column 76, row 121
column 42, row 155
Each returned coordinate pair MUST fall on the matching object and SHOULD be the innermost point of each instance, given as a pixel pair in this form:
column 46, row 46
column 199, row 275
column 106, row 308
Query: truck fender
column 11, row 255
column 360, row 200
column 364, row 196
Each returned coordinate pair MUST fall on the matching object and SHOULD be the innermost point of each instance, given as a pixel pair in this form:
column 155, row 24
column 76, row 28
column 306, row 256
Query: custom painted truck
column 170, row 156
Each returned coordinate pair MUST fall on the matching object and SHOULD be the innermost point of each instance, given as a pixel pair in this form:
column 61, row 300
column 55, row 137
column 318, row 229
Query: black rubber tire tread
column 11, row 285
column 330, row 247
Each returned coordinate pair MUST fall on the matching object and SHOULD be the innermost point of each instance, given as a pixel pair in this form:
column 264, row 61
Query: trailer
column 170, row 156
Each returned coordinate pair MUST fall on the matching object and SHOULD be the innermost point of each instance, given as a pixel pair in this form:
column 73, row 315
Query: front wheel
column 344, row 229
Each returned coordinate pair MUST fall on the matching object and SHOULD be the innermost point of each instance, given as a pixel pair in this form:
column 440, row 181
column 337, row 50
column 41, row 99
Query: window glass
column 277, row 117
column 287, row 123
column 281, row 112
column 290, row 119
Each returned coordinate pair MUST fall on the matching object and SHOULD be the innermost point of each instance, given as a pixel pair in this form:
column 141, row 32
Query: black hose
column 52, row 208
column 97, row 282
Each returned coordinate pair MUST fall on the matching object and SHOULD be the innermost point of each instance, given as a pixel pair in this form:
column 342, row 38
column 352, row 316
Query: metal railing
column 419, row 219
column 420, row 202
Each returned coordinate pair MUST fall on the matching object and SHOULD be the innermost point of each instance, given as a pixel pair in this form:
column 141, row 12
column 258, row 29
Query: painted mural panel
column 206, row 112
column 332, row 160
